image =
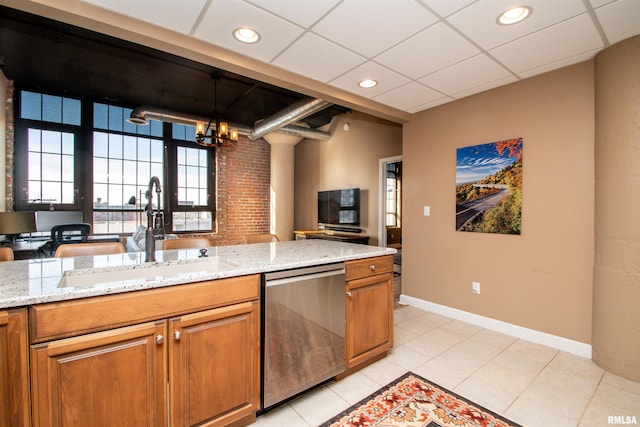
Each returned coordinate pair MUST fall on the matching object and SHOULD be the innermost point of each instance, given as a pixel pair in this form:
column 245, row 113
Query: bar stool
column 6, row 254
column 186, row 243
column 84, row 249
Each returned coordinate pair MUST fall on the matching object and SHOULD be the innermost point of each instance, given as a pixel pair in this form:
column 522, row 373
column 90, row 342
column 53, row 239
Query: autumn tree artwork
column 489, row 187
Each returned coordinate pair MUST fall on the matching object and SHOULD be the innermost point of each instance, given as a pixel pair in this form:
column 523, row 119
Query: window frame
column 83, row 164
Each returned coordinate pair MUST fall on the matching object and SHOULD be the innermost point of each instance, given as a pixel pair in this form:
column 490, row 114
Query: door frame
column 382, row 185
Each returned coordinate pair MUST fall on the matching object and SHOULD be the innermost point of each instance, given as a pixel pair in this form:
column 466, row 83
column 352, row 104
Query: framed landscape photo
column 489, row 187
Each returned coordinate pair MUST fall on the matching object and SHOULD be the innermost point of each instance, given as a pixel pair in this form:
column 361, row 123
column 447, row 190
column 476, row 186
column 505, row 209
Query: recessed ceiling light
column 367, row 83
column 514, row 15
column 246, row 35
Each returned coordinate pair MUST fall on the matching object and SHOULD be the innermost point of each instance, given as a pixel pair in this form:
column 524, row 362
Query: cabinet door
column 214, row 366
column 14, row 381
column 369, row 317
column 111, row 378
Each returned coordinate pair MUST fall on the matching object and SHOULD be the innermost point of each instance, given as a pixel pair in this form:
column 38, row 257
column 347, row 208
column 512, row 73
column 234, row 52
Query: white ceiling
column 423, row 53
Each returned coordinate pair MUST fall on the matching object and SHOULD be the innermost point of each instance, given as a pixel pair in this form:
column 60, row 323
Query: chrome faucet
column 152, row 219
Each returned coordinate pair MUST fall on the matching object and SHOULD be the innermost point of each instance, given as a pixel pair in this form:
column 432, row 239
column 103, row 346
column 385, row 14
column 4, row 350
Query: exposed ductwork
column 294, row 113
column 278, row 122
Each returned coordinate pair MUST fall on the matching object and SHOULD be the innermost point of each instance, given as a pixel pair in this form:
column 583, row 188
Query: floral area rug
column 412, row 401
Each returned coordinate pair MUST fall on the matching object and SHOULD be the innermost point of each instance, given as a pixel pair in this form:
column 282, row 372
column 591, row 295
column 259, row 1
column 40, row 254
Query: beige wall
column 616, row 335
column 349, row 159
column 541, row 279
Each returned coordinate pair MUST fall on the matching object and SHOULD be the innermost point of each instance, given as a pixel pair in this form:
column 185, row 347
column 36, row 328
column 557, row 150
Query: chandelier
column 216, row 133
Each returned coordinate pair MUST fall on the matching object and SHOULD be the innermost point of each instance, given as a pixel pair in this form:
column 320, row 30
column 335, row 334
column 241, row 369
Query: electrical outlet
column 427, row 210
column 475, row 287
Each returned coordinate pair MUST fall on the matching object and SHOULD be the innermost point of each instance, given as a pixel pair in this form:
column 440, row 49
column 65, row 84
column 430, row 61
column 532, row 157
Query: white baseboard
column 553, row 341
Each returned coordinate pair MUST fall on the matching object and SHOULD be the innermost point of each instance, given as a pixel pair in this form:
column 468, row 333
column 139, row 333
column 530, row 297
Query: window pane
column 31, row 106
column 181, row 157
column 115, row 146
column 71, row 111
column 100, row 170
column 35, row 173
column 115, row 171
column 116, row 118
column 130, row 148
column 155, row 128
column 67, row 144
column 51, row 192
column 100, row 195
column 144, row 149
column 157, row 150
column 51, row 165
column 51, row 142
column 34, row 191
column 100, row 144
column 100, row 116
column 68, row 193
column 67, row 169
column 51, row 108
column 34, row 143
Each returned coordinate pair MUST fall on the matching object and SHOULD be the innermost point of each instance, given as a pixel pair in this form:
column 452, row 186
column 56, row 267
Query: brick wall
column 243, row 191
column 242, row 184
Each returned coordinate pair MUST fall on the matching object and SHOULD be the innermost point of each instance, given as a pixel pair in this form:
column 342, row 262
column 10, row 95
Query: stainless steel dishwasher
column 303, row 339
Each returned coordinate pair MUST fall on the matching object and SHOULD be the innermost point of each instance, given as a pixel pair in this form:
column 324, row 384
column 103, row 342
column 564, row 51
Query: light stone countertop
column 43, row 280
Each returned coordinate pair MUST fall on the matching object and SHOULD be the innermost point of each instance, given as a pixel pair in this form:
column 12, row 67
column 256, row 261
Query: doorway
column 390, row 215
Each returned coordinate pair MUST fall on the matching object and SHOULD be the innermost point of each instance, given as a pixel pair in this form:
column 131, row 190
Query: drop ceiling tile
column 598, row 3
column 410, row 95
column 222, row 18
column 371, row 27
column 308, row 57
column 435, row 103
column 177, row 16
column 620, row 20
column 550, row 45
column 477, row 71
column 484, row 87
column 435, row 48
column 559, row 64
column 387, row 80
column 445, row 8
column 304, row 13
column 478, row 21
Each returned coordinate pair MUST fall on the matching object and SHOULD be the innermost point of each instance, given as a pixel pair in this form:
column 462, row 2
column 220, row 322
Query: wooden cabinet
column 369, row 309
column 192, row 367
column 214, row 367
column 112, row 378
column 14, row 369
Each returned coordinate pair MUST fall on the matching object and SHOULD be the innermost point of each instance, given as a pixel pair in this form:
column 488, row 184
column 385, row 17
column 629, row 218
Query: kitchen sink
column 144, row 273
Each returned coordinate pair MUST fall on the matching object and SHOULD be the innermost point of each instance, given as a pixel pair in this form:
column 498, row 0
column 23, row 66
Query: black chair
column 68, row 233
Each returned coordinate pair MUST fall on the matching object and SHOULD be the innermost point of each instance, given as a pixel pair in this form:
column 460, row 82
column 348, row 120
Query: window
column 193, row 206
column 83, row 155
column 51, row 132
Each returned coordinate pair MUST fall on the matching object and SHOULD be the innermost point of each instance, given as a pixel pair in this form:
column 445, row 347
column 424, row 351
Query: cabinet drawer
column 69, row 318
column 369, row 267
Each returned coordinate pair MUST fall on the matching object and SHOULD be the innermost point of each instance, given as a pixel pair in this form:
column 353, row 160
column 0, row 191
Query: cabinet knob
column 349, row 293
column 372, row 267
column 177, row 335
column 159, row 339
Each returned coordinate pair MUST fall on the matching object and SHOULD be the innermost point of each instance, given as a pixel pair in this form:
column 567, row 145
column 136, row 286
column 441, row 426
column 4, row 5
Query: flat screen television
column 339, row 207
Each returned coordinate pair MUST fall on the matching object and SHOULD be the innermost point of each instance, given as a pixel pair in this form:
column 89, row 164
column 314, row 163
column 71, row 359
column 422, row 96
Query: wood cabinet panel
column 369, row 318
column 51, row 321
column 369, row 267
column 14, row 369
column 214, row 368
column 112, row 378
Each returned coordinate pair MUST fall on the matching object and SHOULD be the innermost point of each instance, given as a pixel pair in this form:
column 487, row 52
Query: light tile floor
column 528, row 383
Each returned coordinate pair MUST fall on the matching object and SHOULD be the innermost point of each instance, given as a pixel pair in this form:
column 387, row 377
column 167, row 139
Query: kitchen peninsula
column 102, row 339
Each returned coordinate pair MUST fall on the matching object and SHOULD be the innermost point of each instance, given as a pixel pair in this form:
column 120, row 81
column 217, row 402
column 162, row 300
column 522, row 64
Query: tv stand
column 331, row 235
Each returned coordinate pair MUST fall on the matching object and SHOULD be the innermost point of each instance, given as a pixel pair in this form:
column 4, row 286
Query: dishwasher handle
column 293, row 279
